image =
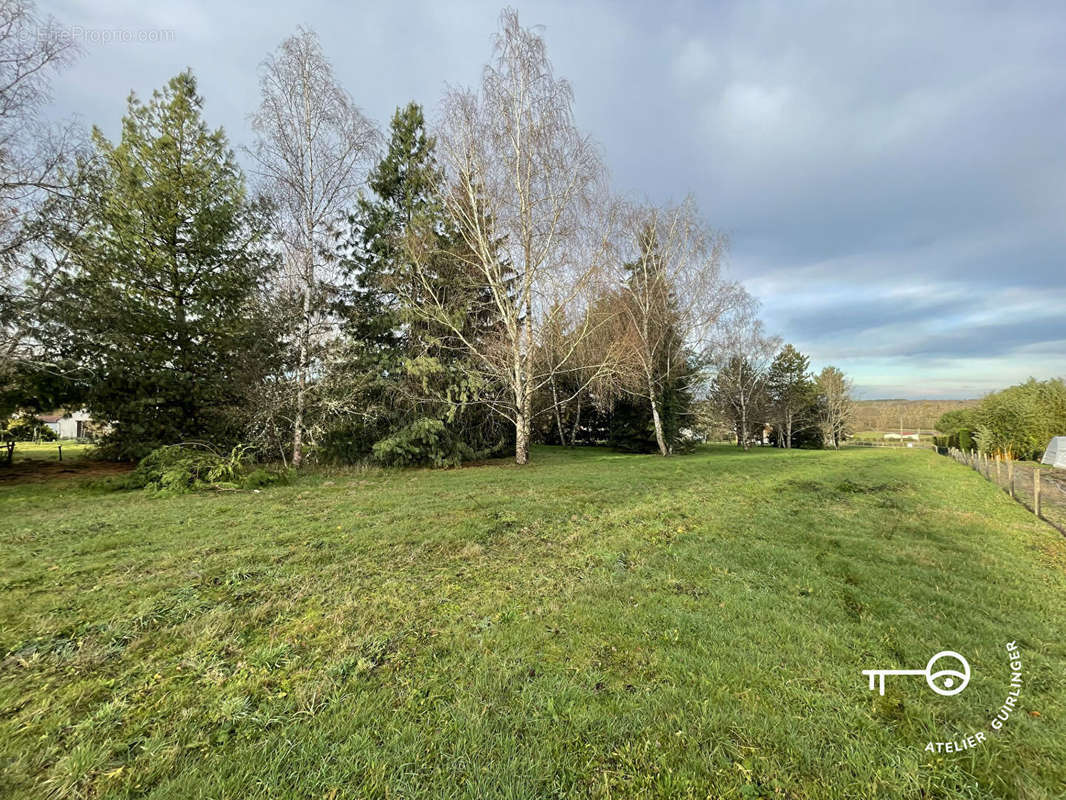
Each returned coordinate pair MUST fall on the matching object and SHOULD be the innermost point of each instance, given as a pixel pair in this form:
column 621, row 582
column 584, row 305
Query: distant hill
column 884, row 415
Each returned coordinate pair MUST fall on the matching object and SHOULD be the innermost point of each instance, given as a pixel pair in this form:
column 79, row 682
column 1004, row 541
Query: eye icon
column 947, row 674
column 942, row 675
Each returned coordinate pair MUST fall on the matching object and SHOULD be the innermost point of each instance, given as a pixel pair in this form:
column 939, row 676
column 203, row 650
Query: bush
column 951, row 422
column 424, row 442
column 260, row 478
column 183, row 468
column 349, row 443
column 965, row 440
column 1020, row 420
column 25, row 428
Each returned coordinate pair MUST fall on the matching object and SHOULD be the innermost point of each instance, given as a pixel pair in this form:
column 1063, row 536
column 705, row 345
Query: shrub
column 425, row 441
column 350, row 443
column 183, row 467
column 1020, row 420
column 951, row 422
column 260, row 478
column 26, row 428
column 965, row 440
column 176, row 468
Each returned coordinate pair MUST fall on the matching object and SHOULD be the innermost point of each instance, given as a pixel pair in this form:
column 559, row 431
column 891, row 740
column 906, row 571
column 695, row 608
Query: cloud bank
column 892, row 175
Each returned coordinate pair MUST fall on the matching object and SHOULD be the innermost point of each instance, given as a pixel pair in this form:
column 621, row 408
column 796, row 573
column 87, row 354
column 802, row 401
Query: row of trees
column 761, row 388
column 425, row 297
column 1016, row 422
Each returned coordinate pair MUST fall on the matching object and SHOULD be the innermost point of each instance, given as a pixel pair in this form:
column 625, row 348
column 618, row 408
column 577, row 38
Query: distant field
column 888, row 415
column 47, row 451
column 879, row 436
column 42, row 462
column 592, row 625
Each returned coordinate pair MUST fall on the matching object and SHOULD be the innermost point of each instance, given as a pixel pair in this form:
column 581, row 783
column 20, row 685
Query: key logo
column 944, row 680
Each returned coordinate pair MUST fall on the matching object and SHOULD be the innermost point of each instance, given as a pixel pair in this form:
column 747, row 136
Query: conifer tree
column 153, row 302
column 791, row 393
column 408, row 371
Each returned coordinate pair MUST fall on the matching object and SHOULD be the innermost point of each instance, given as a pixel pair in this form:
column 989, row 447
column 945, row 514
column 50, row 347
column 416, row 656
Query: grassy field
column 592, row 625
column 38, row 462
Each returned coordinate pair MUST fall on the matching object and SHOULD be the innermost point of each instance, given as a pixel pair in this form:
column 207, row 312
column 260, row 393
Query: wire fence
column 1039, row 488
column 895, row 444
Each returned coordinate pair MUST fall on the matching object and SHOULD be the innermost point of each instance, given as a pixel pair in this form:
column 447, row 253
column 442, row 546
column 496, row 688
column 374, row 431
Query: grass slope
column 594, row 624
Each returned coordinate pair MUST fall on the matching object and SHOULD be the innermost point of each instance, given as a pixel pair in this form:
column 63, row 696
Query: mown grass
column 47, row 451
column 592, row 625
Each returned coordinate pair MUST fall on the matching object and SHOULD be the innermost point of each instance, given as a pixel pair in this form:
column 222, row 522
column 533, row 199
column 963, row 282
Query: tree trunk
column 301, row 382
column 659, row 438
column 521, row 438
column 577, row 423
column 521, row 401
column 788, row 438
column 655, row 418
column 558, row 416
column 524, row 383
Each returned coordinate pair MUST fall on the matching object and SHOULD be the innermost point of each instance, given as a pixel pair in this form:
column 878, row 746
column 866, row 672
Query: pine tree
column 410, row 371
column 791, row 393
column 153, row 305
column 405, row 192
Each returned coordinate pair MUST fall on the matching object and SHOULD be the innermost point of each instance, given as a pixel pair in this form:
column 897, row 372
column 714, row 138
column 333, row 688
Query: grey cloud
column 849, row 149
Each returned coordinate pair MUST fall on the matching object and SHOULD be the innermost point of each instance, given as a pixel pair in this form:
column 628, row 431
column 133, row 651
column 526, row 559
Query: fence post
column 1036, row 492
column 60, row 452
column 1010, row 477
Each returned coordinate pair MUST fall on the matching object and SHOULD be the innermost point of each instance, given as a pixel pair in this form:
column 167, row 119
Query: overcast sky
column 892, row 176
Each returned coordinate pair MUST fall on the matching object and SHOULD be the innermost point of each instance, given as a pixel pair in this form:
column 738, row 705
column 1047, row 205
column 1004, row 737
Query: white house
column 67, row 424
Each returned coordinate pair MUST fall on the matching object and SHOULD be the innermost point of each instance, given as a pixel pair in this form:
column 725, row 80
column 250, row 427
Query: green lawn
column 592, row 625
column 47, row 451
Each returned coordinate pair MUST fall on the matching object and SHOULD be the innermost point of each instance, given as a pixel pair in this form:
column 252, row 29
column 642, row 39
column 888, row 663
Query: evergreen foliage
column 154, row 303
column 793, row 398
column 416, row 394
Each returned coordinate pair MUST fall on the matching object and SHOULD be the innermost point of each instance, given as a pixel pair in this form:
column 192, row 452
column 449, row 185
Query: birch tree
column 739, row 385
column 834, row 391
column 312, row 149
column 526, row 188
column 34, row 190
column 32, row 151
column 673, row 297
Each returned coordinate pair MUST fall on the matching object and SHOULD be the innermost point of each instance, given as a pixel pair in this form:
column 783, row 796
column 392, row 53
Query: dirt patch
column 34, row 471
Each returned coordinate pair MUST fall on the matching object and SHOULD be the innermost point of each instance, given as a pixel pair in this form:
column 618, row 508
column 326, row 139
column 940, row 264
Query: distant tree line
column 911, row 415
column 760, row 390
column 426, row 296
